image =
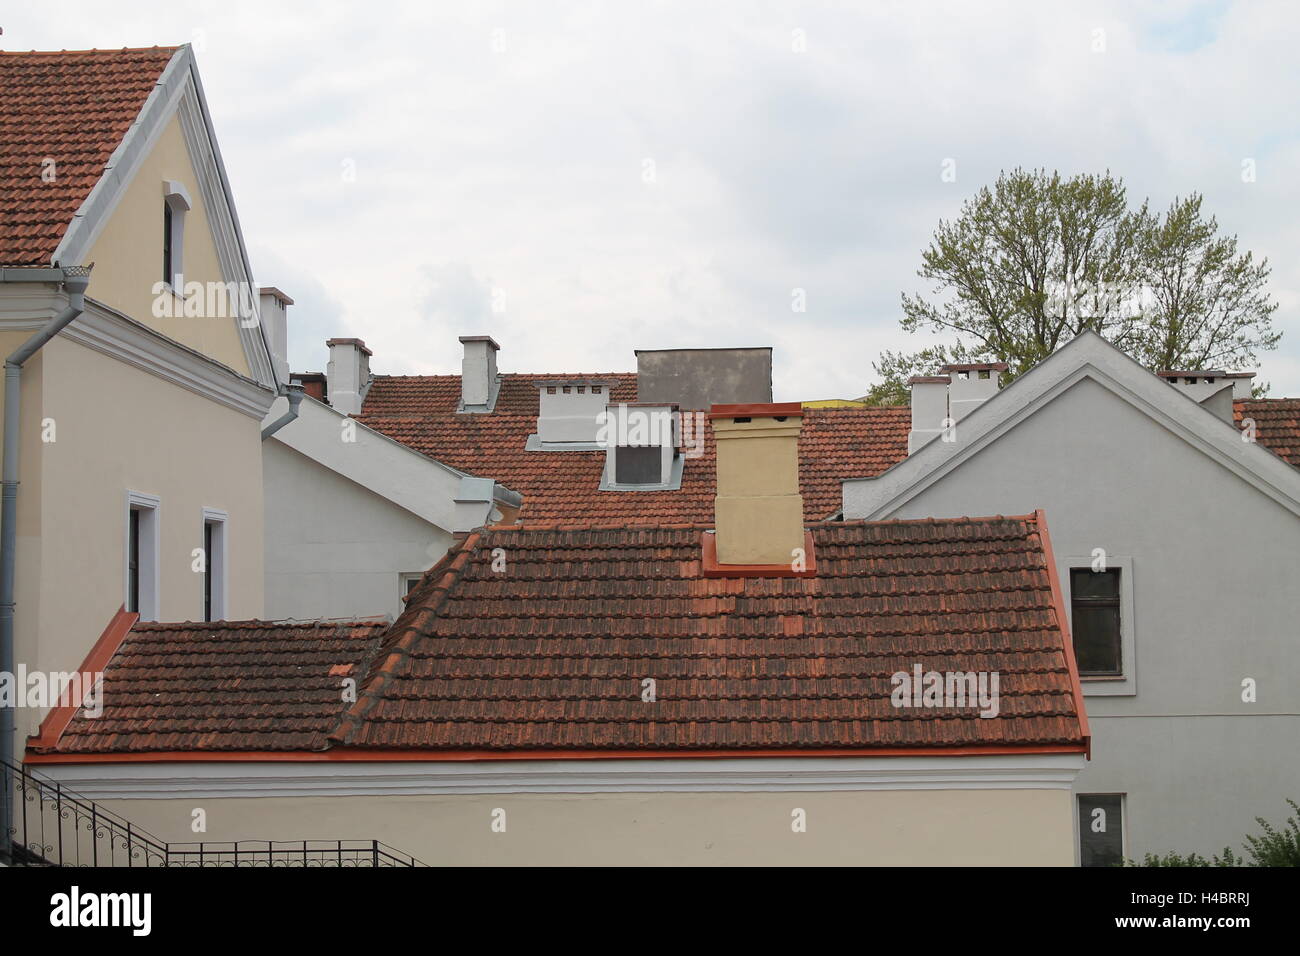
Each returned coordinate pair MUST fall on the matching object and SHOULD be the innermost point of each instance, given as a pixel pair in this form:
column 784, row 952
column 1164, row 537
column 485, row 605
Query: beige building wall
column 120, row 429
column 964, row 827
column 128, row 253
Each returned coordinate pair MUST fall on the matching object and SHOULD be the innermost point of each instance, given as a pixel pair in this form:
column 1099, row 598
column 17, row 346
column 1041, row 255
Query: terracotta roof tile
column 74, row 109
column 232, row 685
column 552, row 652
column 1277, row 424
column 420, row 412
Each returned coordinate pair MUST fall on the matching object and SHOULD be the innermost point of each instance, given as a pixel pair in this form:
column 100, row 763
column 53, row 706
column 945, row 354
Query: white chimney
column 1213, row 388
column 1241, row 383
column 275, row 319
column 571, row 411
column 971, row 385
column 929, row 409
column 478, row 374
column 348, row 374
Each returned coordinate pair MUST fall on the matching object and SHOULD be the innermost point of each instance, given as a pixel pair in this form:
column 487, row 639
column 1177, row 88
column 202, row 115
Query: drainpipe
column 75, row 280
column 294, row 393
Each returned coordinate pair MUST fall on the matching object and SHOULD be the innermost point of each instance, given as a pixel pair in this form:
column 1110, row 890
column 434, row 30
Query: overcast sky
column 582, row 179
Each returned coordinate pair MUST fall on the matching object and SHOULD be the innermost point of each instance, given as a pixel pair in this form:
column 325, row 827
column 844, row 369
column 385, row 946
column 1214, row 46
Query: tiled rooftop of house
column 562, row 486
column 551, row 652
column 233, row 685
column 71, row 109
column 1277, row 424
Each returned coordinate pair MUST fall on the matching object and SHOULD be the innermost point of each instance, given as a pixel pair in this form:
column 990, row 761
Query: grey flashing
column 474, row 490
column 535, row 443
column 503, row 495
column 674, row 482
column 463, row 409
column 30, row 274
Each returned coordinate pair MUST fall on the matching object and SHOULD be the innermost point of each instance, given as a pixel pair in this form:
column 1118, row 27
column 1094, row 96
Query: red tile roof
column 550, row 653
column 420, row 412
column 1277, row 424
column 232, row 685
column 72, row 108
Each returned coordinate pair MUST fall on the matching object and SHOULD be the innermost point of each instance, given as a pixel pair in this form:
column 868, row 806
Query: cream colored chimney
column 758, row 511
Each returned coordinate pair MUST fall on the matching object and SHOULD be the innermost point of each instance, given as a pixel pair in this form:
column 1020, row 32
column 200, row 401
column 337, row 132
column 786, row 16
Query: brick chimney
column 758, row 511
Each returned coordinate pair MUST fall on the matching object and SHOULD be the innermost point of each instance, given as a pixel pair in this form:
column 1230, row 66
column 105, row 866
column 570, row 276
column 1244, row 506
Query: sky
column 581, row 179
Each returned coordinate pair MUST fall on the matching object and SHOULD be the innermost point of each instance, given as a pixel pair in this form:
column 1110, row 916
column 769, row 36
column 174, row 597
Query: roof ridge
column 389, row 655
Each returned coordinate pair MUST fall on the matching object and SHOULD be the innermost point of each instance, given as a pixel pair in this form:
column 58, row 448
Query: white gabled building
column 1177, row 539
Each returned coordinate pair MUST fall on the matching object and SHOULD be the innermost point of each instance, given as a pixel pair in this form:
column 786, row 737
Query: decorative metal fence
column 54, row 827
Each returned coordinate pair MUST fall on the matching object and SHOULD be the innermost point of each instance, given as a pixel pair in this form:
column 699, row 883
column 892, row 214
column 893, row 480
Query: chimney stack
column 1215, row 389
column 758, row 511
column 478, row 374
column 971, row 385
column 275, row 319
column 929, row 409
column 348, row 374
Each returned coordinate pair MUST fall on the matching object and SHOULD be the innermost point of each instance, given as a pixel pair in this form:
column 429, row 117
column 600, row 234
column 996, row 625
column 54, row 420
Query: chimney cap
column 272, row 290
column 466, row 339
column 975, row 367
column 929, row 380
column 758, row 410
column 357, row 342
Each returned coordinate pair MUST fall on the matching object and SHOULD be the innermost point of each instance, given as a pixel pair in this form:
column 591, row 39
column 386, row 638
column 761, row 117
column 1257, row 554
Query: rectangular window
column 133, row 561
column 1095, row 616
column 1101, row 829
column 168, row 275
column 214, row 565
column 141, row 558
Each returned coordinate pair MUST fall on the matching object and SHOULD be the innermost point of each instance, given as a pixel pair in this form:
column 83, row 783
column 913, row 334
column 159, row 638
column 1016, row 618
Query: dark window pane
column 1096, row 639
column 167, row 242
column 207, row 570
column 637, row 466
column 1087, row 584
column 133, row 561
column 1101, row 830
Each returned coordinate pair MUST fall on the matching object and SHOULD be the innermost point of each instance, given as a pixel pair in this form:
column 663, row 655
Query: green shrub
column 1273, row 848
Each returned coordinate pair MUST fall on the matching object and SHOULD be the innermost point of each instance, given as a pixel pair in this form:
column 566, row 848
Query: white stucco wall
column 334, row 548
column 1216, row 597
column 886, row 811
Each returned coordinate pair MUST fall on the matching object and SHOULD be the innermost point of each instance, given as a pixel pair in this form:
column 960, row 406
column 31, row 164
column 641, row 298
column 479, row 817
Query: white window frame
column 1123, row 821
column 150, row 508
column 1124, row 685
column 216, row 564
column 177, row 198
column 402, row 578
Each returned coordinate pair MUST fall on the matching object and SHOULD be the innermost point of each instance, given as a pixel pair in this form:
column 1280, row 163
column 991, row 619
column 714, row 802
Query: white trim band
column 207, row 780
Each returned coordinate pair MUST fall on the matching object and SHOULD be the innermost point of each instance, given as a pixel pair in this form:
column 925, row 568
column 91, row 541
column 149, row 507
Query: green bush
column 1273, row 848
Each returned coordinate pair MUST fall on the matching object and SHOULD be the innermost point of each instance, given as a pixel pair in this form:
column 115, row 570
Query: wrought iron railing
column 54, row 827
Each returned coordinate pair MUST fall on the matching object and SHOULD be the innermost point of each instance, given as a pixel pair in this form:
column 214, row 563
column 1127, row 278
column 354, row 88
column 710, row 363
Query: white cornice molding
column 207, row 780
column 1088, row 356
column 105, row 330
column 178, row 92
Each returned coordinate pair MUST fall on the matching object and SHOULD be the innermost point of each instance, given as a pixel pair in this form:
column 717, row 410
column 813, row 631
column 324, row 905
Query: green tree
column 1036, row 259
